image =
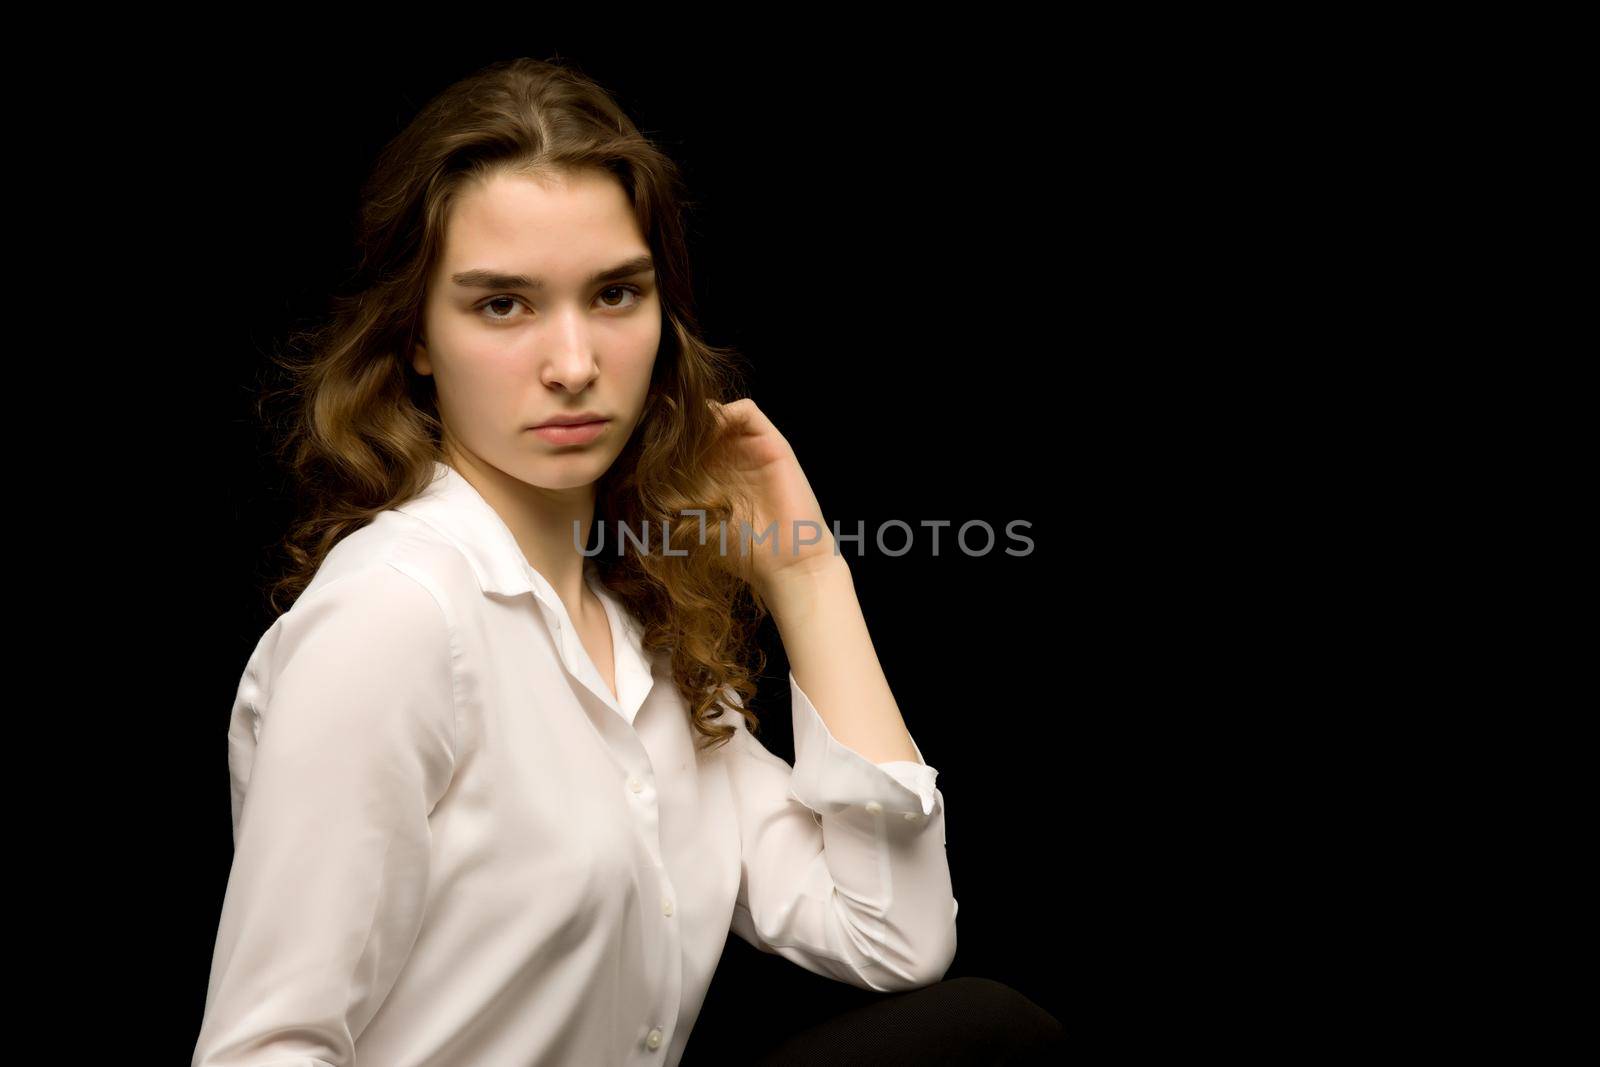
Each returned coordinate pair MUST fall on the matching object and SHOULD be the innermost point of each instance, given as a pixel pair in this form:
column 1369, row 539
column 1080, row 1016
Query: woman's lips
column 580, row 433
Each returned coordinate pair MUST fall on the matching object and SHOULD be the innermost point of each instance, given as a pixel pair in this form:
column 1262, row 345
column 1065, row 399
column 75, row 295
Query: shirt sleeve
column 843, row 869
column 917, row 777
column 341, row 743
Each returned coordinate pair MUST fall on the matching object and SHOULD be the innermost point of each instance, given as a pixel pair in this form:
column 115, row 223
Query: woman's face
column 520, row 326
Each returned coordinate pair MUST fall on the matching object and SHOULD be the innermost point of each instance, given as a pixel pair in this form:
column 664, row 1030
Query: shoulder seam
column 454, row 653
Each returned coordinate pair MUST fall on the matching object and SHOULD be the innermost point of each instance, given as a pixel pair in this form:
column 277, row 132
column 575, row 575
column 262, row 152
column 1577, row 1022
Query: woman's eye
column 606, row 296
column 638, row 294
column 498, row 300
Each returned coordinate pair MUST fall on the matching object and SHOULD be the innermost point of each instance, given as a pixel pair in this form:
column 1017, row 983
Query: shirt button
column 666, row 906
column 874, row 807
column 654, row 1040
column 635, row 784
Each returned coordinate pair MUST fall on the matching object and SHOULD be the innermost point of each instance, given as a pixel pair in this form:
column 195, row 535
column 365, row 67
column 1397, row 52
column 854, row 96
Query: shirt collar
column 455, row 509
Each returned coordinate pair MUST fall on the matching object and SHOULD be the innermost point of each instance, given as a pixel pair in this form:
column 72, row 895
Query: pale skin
column 506, row 357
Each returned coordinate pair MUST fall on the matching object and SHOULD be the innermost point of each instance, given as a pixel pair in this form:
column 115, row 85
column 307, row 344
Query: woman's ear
column 419, row 359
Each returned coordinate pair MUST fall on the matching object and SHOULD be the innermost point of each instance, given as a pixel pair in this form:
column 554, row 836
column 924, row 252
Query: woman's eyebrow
column 479, row 278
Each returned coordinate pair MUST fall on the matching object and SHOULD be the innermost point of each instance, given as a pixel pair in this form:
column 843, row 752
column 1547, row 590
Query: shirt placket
column 636, row 777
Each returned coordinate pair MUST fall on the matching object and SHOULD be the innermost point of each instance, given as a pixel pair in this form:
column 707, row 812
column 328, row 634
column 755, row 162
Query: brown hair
column 359, row 430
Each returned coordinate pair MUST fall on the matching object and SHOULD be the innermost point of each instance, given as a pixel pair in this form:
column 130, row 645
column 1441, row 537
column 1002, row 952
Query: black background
column 896, row 239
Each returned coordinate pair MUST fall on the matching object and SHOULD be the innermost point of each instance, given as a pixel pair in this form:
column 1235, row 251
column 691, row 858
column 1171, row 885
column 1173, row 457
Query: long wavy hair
column 357, row 430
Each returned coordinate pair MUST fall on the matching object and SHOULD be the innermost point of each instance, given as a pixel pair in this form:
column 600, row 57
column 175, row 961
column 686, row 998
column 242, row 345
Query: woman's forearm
column 831, row 656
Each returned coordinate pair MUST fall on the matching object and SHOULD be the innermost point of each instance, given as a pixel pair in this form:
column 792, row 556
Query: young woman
column 496, row 795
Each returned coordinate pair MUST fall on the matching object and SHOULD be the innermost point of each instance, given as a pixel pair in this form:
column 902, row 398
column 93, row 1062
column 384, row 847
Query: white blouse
column 454, row 846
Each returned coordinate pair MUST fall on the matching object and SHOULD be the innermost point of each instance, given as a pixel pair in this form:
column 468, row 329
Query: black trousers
column 966, row 1021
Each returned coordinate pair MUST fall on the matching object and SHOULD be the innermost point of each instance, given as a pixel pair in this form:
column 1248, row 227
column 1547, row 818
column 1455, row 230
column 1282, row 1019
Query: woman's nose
column 574, row 372
column 570, row 360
